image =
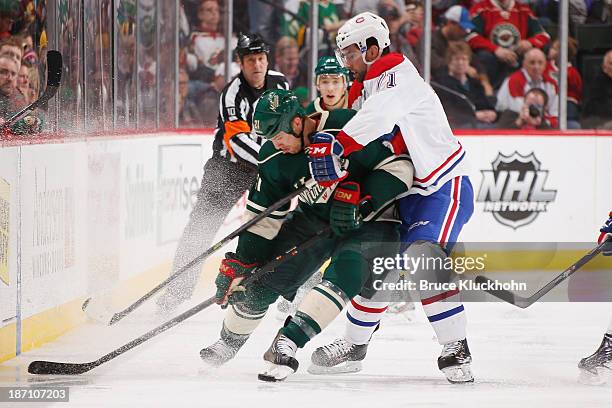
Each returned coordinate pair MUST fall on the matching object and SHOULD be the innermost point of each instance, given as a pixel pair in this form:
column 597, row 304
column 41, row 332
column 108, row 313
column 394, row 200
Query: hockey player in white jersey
column 595, row 368
column 397, row 103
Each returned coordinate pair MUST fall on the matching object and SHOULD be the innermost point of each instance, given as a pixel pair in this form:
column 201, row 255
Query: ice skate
column 595, row 369
column 455, row 362
column 338, row 357
column 281, row 359
column 224, row 349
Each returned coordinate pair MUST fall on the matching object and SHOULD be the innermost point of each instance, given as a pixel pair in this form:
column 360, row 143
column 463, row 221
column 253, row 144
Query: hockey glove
column 606, row 234
column 345, row 215
column 231, row 272
column 325, row 162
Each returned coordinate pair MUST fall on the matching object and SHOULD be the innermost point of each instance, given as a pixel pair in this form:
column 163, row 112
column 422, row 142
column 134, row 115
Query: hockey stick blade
column 54, row 368
column 41, row 367
column 502, row 294
column 524, row 302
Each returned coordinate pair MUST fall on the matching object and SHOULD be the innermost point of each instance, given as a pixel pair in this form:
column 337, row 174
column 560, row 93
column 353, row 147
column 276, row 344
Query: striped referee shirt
column 234, row 138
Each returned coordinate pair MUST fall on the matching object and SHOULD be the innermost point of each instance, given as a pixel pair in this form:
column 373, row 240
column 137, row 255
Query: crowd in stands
column 487, row 55
column 19, row 64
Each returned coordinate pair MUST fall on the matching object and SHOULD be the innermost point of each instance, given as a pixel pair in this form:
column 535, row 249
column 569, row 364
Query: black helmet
column 251, row 44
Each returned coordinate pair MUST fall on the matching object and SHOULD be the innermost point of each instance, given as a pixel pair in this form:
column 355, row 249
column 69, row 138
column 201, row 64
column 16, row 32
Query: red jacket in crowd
column 504, row 27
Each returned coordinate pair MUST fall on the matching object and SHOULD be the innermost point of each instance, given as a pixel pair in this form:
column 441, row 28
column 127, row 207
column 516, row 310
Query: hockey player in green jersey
column 332, row 84
column 378, row 178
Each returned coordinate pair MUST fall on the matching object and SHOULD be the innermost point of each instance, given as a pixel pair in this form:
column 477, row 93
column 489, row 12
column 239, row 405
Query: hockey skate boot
column 595, row 369
column 224, row 349
column 338, row 357
column 455, row 362
column 281, row 359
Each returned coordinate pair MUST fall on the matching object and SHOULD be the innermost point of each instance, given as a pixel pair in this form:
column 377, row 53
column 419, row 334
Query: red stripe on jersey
column 448, row 225
column 441, row 296
column 433, row 173
column 367, row 309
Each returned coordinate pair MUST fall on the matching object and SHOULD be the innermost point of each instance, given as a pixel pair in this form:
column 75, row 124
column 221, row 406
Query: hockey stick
column 114, row 318
column 52, row 367
column 524, row 302
column 54, row 77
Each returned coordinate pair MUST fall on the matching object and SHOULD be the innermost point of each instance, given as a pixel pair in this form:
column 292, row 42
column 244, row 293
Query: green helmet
column 330, row 66
column 274, row 112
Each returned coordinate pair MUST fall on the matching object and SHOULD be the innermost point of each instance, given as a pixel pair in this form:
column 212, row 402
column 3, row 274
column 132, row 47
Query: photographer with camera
column 532, row 115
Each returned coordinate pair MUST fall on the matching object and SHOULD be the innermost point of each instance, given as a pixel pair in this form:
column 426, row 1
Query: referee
column 232, row 168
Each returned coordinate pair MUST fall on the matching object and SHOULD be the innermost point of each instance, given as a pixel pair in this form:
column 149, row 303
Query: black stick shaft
column 51, row 367
column 120, row 315
column 524, row 302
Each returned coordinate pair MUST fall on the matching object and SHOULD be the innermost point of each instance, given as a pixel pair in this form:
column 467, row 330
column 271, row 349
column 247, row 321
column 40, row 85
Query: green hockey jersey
column 381, row 174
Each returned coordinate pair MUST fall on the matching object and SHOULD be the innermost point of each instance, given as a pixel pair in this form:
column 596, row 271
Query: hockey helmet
column 251, row 44
column 274, row 112
column 330, row 66
column 361, row 27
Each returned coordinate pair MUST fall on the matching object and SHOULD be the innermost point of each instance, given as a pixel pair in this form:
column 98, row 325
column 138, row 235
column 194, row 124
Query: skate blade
column 589, row 378
column 275, row 373
column 459, row 374
column 348, row 367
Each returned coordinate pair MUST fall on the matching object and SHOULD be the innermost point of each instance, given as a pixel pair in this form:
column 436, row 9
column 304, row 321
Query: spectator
column 456, row 24
column 10, row 11
column 189, row 114
column 532, row 115
column 29, row 55
column 12, row 48
column 33, row 84
column 412, row 22
column 9, row 70
column 514, row 88
column 287, row 61
column 598, row 105
column 23, row 82
column 574, row 80
column 207, row 45
column 458, row 57
column 505, row 30
column 329, row 22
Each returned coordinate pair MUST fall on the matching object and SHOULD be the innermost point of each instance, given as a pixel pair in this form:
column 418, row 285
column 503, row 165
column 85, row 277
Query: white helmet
column 361, row 27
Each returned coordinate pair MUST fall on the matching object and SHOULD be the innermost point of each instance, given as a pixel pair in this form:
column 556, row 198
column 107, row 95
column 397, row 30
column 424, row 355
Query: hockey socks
column 318, row 309
column 241, row 320
column 363, row 317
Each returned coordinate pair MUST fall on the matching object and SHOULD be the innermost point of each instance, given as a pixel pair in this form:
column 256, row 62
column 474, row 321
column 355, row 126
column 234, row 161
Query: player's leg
column 363, row 316
column 223, row 183
column 346, row 274
column 242, row 318
column 437, row 222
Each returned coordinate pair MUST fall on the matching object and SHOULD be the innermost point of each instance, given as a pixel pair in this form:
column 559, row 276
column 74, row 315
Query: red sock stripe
column 439, row 297
column 368, row 309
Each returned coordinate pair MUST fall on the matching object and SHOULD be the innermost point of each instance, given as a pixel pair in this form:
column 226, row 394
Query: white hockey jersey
column 395, row 101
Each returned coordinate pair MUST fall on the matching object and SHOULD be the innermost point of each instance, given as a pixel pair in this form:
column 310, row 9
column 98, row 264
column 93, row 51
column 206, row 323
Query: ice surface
column 522, row 358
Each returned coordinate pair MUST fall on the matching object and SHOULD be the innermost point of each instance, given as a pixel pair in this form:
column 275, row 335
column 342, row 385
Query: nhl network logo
column 514, row 189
